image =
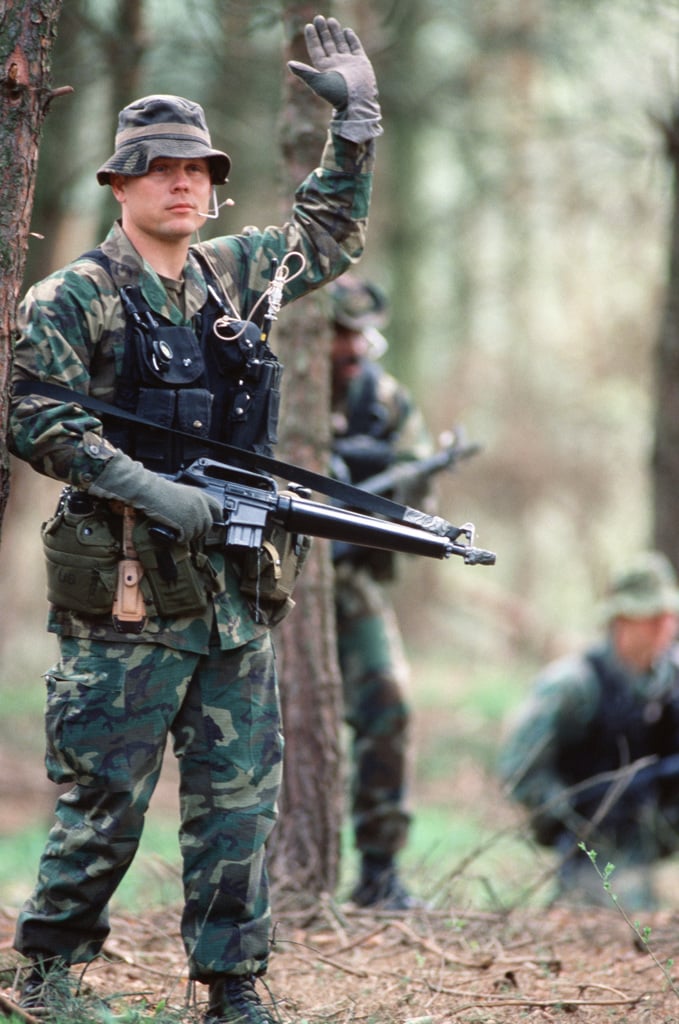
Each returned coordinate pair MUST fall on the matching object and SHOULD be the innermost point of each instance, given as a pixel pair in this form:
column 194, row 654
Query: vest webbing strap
column 355, row 497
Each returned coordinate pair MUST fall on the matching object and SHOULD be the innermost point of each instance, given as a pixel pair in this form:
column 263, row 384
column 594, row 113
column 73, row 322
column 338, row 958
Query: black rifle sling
column 355, row 497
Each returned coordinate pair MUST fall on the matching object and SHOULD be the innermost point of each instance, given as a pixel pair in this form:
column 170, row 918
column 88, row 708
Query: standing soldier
column 162, row 329
column 375, row 425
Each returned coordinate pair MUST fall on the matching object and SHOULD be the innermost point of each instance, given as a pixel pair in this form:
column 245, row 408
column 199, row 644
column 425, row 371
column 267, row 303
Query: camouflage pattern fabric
column 375, row 680
column 110, row 710
column 403, row 421
column 372, row 661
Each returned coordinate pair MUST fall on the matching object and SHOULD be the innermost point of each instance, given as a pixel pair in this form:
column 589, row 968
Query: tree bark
column 304, row 855
column 103, row 59
column 27, row 33
column 665, row 463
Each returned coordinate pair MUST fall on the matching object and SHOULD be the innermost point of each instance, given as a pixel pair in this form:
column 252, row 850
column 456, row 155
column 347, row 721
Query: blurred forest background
column 521, row 226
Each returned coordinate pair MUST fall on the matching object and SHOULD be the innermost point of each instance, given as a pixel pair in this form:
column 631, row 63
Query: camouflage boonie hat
column 647, row 587
column 162, row 126
column 357, row 304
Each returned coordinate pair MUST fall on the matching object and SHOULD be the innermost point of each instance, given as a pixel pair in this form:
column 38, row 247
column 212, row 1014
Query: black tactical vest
column 188, row 379
column 626, row 726
column 365, row 414
column 366, row 446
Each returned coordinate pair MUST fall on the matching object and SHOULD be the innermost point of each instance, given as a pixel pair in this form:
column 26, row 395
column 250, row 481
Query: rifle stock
column 252, row 500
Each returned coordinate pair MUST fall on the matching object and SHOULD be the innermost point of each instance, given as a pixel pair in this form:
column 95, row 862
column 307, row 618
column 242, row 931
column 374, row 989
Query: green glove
column 341, row 75
column 188, row 510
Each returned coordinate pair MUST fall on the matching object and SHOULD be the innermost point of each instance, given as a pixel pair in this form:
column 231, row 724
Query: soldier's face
column 640, row 642
column 348, row 352
column 168, row 202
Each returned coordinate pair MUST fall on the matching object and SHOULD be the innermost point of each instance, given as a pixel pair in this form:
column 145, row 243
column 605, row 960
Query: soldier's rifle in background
column 631, row 781
column 618, row 793
column 412, row 473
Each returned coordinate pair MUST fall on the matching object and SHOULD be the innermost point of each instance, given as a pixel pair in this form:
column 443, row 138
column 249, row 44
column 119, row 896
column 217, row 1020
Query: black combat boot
column 380, row 886
column 46, row 988
column 233, row 1000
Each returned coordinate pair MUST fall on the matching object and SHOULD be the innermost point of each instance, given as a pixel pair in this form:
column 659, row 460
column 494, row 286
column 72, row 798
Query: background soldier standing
column 157, row 327
column 614, row 705
column 375, row 425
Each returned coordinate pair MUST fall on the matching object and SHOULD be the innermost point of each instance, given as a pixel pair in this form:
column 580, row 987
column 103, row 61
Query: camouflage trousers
column 374, row 677
column 110, row 711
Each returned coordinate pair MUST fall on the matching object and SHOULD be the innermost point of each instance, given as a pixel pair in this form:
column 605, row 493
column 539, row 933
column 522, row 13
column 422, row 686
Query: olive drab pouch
column 269, row 573
column 82, row 552
column 178, row 580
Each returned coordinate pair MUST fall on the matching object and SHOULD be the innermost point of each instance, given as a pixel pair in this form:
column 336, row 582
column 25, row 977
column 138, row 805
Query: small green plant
column 643, row 934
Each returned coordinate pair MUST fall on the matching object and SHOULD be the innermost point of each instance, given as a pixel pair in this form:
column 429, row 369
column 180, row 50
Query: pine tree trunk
column 304, row 854
column 665, row 466
column 27, row 33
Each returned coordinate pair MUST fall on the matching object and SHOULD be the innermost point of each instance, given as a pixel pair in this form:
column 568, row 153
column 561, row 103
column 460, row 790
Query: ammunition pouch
column 247, row 382
column 168, row 357
column 268, row 574
column 82, row 554
column 83, row 549
column 177, row 579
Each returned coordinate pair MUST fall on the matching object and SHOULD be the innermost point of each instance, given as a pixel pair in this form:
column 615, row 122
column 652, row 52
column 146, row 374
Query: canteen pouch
column 81, row 554
column 269, row 573
column 177, row 579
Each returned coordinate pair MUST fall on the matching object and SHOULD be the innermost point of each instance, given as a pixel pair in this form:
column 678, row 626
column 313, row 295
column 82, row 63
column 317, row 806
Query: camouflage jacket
column 71, row 331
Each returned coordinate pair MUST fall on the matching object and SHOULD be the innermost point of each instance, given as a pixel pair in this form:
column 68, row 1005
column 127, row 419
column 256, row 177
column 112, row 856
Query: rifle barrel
column 300, row 515
column 416, row 469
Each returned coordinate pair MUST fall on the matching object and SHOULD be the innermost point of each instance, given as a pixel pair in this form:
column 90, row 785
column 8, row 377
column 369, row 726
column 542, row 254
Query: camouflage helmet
column 358, row 304
column 644, row 588
column 157, row 126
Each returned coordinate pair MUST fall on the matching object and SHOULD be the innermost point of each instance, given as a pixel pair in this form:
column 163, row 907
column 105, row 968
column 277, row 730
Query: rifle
column 248, row 500
column 630, row 780
column 415, row 471
column 252, row 502
column 591, row 801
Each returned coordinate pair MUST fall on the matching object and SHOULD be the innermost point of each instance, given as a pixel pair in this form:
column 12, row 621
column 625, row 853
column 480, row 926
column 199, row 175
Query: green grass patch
column 490, row 690
column 455, row 859
column 153, row 880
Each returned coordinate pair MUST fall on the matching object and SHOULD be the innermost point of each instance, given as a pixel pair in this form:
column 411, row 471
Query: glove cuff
column 357, row 130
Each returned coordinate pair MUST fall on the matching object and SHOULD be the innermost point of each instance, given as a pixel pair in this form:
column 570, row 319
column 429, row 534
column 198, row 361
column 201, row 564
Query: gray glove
column 341, row 75
column 188, row 510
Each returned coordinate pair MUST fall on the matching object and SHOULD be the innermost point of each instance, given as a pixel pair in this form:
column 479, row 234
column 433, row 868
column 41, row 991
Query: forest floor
column 335, row 963
column 420, row 968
